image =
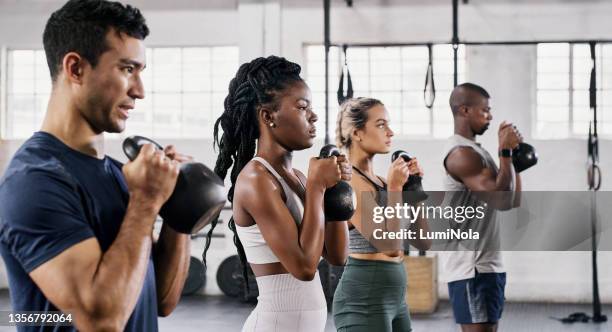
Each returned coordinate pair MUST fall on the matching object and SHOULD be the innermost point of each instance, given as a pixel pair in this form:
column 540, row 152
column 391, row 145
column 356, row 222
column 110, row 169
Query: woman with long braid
column 371, row 294
column 278, row 219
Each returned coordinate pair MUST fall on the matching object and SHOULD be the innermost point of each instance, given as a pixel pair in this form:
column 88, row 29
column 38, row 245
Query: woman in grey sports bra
column 371, row 293
column 278, row 221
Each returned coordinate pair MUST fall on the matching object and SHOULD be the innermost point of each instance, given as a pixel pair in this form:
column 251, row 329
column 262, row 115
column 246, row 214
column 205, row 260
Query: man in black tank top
column 476, row 278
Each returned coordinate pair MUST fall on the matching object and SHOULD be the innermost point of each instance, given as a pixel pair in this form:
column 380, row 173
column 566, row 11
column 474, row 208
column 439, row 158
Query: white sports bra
column 255, row 247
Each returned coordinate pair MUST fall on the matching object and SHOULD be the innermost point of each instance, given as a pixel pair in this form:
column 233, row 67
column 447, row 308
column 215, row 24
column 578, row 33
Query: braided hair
column 256, row 84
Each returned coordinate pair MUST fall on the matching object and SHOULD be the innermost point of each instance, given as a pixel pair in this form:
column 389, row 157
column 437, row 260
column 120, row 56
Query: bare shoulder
column 463, row 161
column 255, row 178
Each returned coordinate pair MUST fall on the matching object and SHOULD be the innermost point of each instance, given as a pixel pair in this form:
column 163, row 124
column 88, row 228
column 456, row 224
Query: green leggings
column 371, row 297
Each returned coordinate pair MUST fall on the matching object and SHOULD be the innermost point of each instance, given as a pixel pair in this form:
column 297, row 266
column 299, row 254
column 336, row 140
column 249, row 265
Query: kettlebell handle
column 328, row 151
column 133, row 144
column 400, row 153
column 413, row 188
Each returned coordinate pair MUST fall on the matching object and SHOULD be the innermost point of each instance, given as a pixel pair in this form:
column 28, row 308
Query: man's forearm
column 171, row 257
column 518, row 188
column 504, row 177
column 119, row 277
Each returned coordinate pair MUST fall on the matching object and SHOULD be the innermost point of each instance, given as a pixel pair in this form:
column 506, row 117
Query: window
column 28, row 89
column 184, row 92
column 563, row 79
column 396, row 76
column 185, row 89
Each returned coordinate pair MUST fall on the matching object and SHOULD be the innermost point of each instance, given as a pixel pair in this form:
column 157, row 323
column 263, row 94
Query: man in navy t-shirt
column 76, row 225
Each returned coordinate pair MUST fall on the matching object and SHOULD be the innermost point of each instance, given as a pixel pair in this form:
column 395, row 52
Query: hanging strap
column 349, row 89
column 593, row 88
column 429, row 91
column 455, row 40
column 594, row 176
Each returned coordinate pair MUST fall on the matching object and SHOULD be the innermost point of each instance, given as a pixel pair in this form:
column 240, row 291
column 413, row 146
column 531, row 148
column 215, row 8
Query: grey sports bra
column 357, row 243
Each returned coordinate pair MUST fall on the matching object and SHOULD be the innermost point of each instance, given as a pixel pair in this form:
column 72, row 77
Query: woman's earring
column 272, row 125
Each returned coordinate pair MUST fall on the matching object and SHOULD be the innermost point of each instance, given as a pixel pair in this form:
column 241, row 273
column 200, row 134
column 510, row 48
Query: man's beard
column 102, row 121
column 482, row 130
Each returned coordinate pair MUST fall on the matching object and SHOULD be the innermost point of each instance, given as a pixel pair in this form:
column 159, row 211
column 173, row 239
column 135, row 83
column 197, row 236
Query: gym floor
column 223, row 314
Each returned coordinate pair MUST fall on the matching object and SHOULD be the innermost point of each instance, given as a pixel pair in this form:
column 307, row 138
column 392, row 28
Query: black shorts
column 479, row 299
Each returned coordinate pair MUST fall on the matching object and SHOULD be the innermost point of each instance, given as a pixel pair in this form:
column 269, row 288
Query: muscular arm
column 298, row 249
column 335, row 249
column 101, row 289
column 171, row 255
column 466, row 165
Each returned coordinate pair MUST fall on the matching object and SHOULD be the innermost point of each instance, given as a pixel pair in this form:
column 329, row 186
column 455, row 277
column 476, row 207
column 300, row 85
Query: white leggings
column 288, row 304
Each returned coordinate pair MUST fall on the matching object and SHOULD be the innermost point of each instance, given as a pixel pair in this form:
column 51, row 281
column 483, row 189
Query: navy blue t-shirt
column 51, row 198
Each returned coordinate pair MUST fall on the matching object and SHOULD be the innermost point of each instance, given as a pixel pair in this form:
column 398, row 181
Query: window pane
column 554, row 75
column 411, row 54
column 553, row 50
column 197, row 117
column 358, row 53
column 413, row 99
column 28, row 88
column 552, row 130
column 22, row 114
column 557, row 81
column 196, row 69
column 581, row 117
column 386, row 67
column 581, row 80
column 415, row 128
column 357, row 68
column 582, row 65
column 553, row 98
column 167, row 70
column 443, row 122
column 385, row 83
column 553, row 114
column 553, row 65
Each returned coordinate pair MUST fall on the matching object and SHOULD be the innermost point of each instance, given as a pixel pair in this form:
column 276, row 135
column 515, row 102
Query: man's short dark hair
column 81, row 26
column 475, row 88
column 460, row 95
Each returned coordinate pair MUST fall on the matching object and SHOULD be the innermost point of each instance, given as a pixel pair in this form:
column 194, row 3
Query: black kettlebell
column 413, row 188
column 339, row 200
column 197, row 198
column 523, row 157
